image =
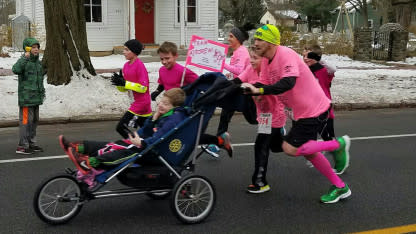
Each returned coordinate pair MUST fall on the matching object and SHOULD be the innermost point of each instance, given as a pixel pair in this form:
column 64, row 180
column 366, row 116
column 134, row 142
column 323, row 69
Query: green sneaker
column 342, row 155
column 335, row 194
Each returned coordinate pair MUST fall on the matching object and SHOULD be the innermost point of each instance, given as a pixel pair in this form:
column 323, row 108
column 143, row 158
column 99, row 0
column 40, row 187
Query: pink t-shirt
column 325, row 79
column 172, row 78
column 239, row 61
column 306, row 98
column 266, row 103
column 137, row 73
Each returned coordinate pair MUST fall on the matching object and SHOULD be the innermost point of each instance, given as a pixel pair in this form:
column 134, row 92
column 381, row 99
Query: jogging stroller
column 192, row 197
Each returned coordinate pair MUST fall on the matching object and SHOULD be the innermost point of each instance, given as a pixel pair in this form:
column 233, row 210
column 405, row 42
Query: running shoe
column 80, row 161
column 212, row 150
column 342, row 155
column 258, row 189
column 36, row 148
column 227, row 143
column 335, row 194
column 23, row 150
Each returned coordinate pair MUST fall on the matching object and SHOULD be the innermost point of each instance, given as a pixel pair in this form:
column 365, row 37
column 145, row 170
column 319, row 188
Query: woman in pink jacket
column 239, row 61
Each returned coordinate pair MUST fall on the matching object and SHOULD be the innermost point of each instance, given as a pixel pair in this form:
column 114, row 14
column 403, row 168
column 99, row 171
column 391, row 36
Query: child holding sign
column 271, row 118
column 171, row 74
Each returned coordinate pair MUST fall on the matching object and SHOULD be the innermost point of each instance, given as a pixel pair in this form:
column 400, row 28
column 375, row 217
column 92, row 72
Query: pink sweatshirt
column 136, row 76
column 172, row 78
column 325, row 79
column 266, row 103
column 239, row 61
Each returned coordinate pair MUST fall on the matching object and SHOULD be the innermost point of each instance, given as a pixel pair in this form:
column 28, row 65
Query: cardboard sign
column 206, row 54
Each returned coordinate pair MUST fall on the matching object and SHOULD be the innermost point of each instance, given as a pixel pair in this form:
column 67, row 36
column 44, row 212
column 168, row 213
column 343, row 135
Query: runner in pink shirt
column 171, row 73
column 135, row 80
column 271, row 118
column 239, row 61
column 297, row 88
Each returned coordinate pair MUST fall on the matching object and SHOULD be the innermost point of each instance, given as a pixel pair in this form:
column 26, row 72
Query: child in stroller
column 91, row 157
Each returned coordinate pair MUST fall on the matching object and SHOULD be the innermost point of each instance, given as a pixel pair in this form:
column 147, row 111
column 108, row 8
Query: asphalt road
column 381, row 176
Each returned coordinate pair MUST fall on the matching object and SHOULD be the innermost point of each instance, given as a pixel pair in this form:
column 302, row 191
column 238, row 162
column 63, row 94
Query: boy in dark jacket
column 87, row 155
column 31, row 94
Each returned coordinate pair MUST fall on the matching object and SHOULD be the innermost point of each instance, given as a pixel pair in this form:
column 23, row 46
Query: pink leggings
column 312, row 152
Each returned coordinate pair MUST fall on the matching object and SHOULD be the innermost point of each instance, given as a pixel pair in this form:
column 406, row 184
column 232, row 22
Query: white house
column 280, row 17
column 112, row 22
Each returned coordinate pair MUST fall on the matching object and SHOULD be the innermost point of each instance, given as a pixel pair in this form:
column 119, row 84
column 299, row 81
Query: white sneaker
column 212, row 150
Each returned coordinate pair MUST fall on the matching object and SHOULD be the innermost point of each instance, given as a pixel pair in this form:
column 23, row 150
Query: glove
column 154, row 94
column 118, row 79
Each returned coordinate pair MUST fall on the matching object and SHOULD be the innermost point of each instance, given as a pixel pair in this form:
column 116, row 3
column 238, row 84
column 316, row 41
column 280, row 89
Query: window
column 93, row 11
column 190, row 11
column 370, row 23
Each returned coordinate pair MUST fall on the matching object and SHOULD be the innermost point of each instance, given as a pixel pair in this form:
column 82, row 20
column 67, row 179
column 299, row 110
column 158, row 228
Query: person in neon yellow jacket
column 133, row 78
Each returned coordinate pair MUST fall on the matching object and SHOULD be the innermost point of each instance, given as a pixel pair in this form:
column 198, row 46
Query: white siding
column 168, row 30
column 113, row 31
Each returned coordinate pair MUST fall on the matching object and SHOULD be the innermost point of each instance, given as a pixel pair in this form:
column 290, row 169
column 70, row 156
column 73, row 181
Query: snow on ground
column 92, row 97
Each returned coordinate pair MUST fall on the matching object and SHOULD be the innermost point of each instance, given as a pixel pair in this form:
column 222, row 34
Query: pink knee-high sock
column 312, row 147
column 323, row 166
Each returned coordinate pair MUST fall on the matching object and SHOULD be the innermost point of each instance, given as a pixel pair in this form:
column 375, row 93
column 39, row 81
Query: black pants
column 113, row 158
column 262, row 149
column 225, row 119
column 207, row 139
column 137, row 121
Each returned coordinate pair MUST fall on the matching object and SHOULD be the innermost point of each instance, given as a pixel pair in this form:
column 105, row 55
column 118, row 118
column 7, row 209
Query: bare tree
column 7, row 7
column 242, row 11
column 66, row 49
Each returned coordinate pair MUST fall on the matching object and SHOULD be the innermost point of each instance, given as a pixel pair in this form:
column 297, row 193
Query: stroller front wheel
column 58, row 199
column 193, row 199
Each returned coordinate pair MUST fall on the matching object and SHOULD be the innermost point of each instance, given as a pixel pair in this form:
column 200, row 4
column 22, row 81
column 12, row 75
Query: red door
column 144, row 21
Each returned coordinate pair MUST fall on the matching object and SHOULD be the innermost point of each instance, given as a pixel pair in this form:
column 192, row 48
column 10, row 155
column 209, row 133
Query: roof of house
column 284, row 14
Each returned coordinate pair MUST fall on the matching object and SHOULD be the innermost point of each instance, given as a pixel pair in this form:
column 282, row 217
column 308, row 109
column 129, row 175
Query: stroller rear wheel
column 58, row 199
column 193, row 199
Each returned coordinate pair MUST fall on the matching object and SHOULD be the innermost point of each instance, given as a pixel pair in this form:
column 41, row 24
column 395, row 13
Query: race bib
column 265, row 123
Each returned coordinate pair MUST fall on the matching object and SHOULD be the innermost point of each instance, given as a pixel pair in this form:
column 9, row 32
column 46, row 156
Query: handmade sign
column 206, row 54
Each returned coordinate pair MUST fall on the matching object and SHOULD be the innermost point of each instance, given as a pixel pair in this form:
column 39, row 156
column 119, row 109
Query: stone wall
column 399, row 46
column 363, row 39
column 362, row 44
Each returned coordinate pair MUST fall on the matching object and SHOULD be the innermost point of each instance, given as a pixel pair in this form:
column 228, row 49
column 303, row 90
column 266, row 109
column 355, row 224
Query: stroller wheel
column 158, row 196
column 57, row 199
column 193, row 199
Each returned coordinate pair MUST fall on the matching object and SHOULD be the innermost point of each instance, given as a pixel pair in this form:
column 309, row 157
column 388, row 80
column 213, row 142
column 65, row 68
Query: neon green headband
column 268, row 33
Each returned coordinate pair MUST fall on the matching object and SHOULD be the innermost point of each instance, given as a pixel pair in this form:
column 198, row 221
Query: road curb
column 116, row 117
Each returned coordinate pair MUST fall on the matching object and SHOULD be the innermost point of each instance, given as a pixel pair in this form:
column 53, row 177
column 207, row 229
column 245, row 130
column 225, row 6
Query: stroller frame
column 183, row 192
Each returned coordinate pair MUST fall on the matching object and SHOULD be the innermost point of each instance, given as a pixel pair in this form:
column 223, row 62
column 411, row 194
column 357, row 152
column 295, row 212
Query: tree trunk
column 66, row 49
column 365, row 14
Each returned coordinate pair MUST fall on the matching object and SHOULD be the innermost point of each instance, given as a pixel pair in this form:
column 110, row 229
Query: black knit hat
column 134, row 45
column 313, row 55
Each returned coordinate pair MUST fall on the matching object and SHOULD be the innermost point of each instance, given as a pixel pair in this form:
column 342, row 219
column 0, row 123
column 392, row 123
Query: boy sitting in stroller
column 92, row 156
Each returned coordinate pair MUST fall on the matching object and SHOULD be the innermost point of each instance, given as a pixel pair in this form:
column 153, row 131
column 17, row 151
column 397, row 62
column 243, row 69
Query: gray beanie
column 238, row 34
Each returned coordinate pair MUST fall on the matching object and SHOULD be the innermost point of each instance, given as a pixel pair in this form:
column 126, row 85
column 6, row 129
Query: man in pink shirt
column 170, row 75
column 291, row 79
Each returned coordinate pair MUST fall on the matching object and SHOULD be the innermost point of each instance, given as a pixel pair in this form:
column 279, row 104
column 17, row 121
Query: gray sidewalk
column 113, row 117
